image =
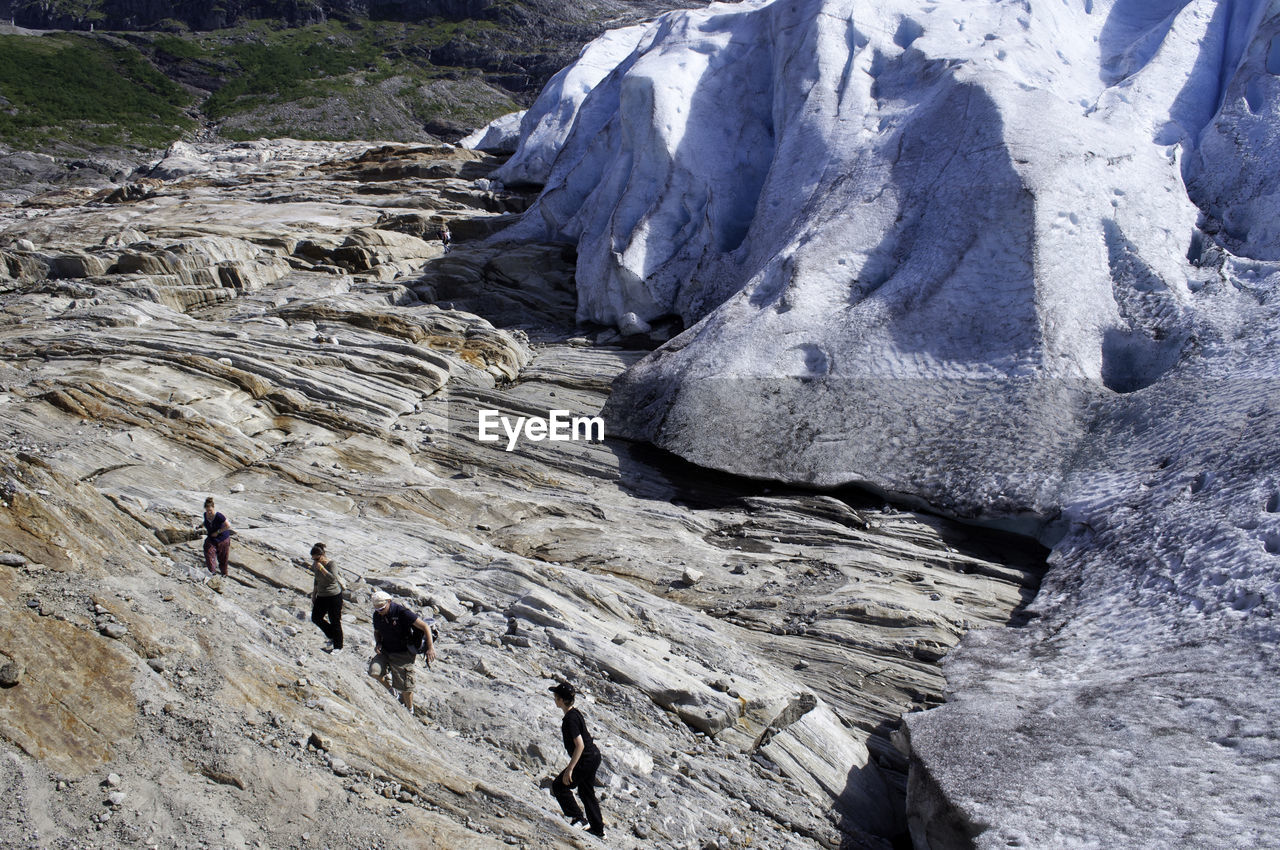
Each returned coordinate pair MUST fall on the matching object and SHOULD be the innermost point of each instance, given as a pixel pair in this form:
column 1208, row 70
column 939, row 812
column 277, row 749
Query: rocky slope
column 278, row 325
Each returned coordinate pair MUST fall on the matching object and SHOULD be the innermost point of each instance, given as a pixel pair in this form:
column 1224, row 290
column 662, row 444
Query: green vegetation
column 335, row 80
column 272, row 66
column 87, row 11
column 78, row 89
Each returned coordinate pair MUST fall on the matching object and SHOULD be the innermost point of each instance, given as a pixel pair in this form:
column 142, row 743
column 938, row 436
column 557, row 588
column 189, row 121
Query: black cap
column 564, row 690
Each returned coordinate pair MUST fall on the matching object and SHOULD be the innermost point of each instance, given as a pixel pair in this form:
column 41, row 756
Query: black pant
column 330, row 608
column 584, row 779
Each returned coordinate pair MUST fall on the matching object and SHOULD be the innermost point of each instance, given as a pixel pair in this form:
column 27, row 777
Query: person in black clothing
column 217, row 541
column 584, row 761
column 392, row 625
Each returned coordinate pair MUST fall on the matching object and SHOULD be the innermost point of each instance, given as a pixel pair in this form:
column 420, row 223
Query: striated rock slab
column 752, row 706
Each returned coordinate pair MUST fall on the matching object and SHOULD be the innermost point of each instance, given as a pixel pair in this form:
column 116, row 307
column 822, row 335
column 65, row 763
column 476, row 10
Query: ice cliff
column 1017, row 260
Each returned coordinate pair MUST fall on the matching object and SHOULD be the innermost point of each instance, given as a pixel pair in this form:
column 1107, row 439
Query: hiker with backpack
column 326, row 598
column 393, row 639
column 584, row 761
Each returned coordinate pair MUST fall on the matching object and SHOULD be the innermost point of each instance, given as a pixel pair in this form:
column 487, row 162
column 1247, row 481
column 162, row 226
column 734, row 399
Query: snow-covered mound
column 969, row 216
column 1011, row 258
column 501, row 135
column 544, row 127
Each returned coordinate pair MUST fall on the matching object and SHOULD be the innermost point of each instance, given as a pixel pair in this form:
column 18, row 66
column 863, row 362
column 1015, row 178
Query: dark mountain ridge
column 572, row 19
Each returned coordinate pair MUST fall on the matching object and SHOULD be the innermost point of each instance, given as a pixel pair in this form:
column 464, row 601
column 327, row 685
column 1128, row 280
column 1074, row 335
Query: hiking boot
column 598, row 833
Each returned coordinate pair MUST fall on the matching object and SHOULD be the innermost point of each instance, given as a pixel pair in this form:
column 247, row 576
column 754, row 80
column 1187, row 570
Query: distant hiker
column 217, row 539
column 393, row 625
column 584, row 761
column 326, row 598
column 446, row 237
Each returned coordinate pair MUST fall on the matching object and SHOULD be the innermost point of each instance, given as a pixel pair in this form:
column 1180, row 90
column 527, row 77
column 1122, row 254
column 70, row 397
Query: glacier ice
column 1015, row 259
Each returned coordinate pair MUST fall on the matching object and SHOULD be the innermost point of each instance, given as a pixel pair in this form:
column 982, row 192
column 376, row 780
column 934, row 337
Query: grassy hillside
column 67, row 88
column 334, row 80
column 395, row 70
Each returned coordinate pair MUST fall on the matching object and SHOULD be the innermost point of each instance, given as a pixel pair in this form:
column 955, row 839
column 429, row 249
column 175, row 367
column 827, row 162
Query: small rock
column 113, row 780
column 116, row 798
column 619, row 639
column 339, row 767
column 447, row 604
column 691, row 576
column 12, row 559
column 336, row 709
column 114, row 630
column 319, row 743
column 238, row 488
column 104, row 817
column 641, row 830
column 578, row 341
column 404, row 797
column 277, row 613
column 11, row 674
column 157, row 664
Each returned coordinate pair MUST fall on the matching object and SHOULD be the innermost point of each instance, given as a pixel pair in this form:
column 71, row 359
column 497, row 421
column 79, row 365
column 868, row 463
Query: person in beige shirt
column 326, row 598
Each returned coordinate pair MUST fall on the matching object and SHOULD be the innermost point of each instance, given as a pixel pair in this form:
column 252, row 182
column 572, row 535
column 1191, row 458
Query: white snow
column 1017, row 259
column 501, row 135
column 543, row 127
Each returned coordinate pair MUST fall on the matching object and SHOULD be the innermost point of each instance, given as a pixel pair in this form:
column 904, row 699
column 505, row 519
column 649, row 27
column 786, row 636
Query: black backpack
column 418, row 640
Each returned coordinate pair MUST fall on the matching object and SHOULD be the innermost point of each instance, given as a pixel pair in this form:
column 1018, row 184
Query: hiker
column 217, row 540
column 326, row 598
column 392, row 627
column 584, row 761
column 446, row 237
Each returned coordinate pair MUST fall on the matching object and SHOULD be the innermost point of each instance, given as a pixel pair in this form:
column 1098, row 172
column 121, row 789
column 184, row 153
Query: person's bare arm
column 578, row 747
